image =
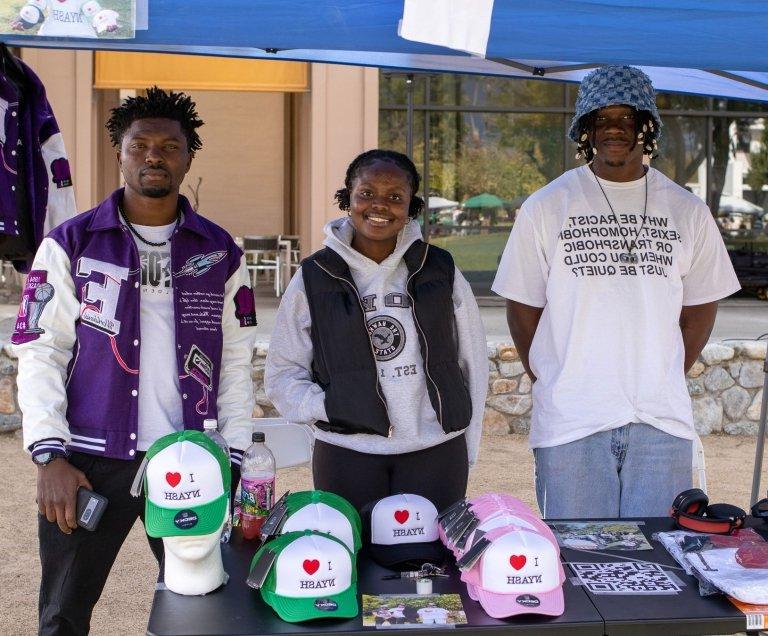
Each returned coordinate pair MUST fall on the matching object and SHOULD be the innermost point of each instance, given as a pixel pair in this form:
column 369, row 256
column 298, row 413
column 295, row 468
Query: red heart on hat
column 401, row 516
column 517, row 561
column 311, row 566
column 173, row 479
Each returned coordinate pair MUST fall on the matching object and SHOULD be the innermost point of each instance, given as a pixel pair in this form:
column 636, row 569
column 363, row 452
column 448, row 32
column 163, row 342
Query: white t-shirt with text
column 435, row 615
column 160, row 406
column 608, row 349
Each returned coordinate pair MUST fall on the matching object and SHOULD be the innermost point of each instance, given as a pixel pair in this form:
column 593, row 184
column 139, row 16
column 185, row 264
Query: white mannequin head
column 187, row 481
column 193, row 564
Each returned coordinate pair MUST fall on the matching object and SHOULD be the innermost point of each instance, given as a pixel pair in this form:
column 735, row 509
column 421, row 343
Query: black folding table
column 655, row 615
column 238, row 610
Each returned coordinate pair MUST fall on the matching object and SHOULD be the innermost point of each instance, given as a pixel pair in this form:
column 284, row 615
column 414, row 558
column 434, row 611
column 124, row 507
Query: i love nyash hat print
column 186, row 482
column 402, row 531
column 323, row 512
column 519, row 573
column 313, row 576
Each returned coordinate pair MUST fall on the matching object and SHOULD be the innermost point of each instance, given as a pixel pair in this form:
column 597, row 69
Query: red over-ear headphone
column 692, row 511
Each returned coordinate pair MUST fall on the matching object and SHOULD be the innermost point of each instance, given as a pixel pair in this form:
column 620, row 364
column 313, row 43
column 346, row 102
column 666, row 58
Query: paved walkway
column 739, row 318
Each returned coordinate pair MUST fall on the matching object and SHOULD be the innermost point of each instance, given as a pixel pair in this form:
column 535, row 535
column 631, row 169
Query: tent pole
column 760, row 439
column 409, row 116
column 541, row 71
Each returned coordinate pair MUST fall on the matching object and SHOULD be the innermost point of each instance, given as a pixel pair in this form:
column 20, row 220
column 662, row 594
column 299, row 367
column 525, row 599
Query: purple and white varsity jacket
column 28, row 131
column 78, row 337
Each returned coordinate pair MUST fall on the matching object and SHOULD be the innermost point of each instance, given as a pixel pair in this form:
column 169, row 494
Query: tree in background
column 503, row 171
column 757, row 177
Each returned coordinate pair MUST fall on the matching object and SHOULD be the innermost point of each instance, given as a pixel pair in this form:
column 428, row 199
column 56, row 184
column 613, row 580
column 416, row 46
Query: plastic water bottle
column 257, row 486
column 211, row 429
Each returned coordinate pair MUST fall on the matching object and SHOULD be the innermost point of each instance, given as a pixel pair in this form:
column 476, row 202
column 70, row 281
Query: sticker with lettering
column 528, row 600
column 326, row 605
column 185, row 519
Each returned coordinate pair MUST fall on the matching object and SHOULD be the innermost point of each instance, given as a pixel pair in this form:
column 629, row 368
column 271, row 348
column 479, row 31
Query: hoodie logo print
column 387, row 337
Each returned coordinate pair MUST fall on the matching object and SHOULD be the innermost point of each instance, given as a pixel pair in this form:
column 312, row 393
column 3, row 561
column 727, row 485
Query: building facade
column 275, row 150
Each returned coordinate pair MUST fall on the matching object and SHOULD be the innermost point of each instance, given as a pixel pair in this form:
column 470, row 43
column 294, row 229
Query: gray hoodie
column 288, row 376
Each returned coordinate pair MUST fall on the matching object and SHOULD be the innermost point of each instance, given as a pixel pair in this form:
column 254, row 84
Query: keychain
column 427, row 570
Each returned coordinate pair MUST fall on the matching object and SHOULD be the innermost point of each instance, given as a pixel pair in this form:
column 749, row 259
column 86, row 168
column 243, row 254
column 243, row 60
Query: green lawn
column 475, row 252
column 758, row 243
column 481, row 252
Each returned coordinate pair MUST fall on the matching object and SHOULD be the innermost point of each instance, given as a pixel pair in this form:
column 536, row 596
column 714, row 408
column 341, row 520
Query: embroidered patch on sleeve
column 245, row 307
column 37, row 294
column 60, row 173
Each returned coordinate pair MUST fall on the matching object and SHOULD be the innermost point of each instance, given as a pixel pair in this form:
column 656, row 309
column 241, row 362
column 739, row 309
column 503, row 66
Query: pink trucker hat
column 519, row 573
column 487, row 505
column 498, row 498
column 502, row 520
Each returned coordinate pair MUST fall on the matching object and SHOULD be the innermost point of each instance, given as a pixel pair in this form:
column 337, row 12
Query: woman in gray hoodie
column 379, row 345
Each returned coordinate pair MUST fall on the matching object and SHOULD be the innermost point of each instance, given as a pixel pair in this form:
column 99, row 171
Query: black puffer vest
column 344, row 364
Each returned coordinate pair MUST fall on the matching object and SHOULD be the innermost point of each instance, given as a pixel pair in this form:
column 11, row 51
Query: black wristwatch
column 43, row 459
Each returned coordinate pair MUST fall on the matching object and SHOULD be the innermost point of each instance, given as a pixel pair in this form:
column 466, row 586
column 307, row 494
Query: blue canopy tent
column 713, row 48
column 684, row 45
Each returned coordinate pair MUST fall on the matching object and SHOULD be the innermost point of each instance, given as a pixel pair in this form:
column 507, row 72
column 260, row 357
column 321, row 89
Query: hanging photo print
column 69, row 18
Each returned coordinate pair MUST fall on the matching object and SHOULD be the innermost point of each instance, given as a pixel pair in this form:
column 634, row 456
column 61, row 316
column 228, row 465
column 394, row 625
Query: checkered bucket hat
column 611, row 86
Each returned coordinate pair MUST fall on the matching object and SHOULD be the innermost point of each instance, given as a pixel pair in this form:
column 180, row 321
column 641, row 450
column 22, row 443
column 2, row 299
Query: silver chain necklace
column 628, row 256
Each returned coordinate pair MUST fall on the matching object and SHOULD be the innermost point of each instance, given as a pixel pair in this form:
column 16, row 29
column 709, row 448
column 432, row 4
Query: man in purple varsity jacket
column 136, row 321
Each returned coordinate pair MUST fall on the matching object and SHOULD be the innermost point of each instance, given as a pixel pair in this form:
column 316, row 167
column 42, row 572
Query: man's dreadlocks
column 157, row 103
column 646, row 134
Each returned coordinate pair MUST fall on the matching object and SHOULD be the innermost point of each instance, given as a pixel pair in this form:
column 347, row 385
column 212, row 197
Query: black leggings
column 438, row 473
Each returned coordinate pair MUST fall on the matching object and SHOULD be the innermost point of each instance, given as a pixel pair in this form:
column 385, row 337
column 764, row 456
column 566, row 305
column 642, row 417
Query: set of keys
column 428, row 570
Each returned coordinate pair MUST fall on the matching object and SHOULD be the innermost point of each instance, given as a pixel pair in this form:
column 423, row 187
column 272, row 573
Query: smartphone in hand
column 90, row 508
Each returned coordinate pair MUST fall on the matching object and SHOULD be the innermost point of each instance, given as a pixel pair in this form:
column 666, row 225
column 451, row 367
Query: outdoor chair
column 290, row 443
column 290, row 255
column 262, row 254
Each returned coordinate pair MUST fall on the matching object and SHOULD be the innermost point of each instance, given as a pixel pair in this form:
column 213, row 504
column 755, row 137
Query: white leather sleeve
column 236, row 399
column 43, row 361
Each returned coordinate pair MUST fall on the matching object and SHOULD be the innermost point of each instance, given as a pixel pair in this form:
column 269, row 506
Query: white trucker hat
column 403, row 531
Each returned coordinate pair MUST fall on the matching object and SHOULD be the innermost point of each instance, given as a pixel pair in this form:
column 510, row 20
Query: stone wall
column 725, row 384
column 10, row 416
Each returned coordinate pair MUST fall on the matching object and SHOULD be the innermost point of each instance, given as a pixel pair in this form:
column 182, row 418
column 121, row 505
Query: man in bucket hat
column 612, row 275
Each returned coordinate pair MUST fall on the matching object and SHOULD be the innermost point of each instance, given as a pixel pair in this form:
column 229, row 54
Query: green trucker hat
column 313, row 576
column 187, row 483
column 323, row 512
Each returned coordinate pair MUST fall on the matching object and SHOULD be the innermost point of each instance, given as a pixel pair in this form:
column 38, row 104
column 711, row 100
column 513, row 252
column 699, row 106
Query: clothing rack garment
column 36, row 191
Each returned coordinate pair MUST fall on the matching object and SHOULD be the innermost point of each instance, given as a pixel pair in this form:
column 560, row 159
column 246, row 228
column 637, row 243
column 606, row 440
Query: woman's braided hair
column 369, row 158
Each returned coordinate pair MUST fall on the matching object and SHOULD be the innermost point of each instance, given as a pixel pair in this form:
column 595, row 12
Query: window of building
column 483, row 144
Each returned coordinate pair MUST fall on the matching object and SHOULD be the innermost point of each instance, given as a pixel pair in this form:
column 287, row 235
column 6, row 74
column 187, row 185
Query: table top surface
column 686, row 612
column 239, row 610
